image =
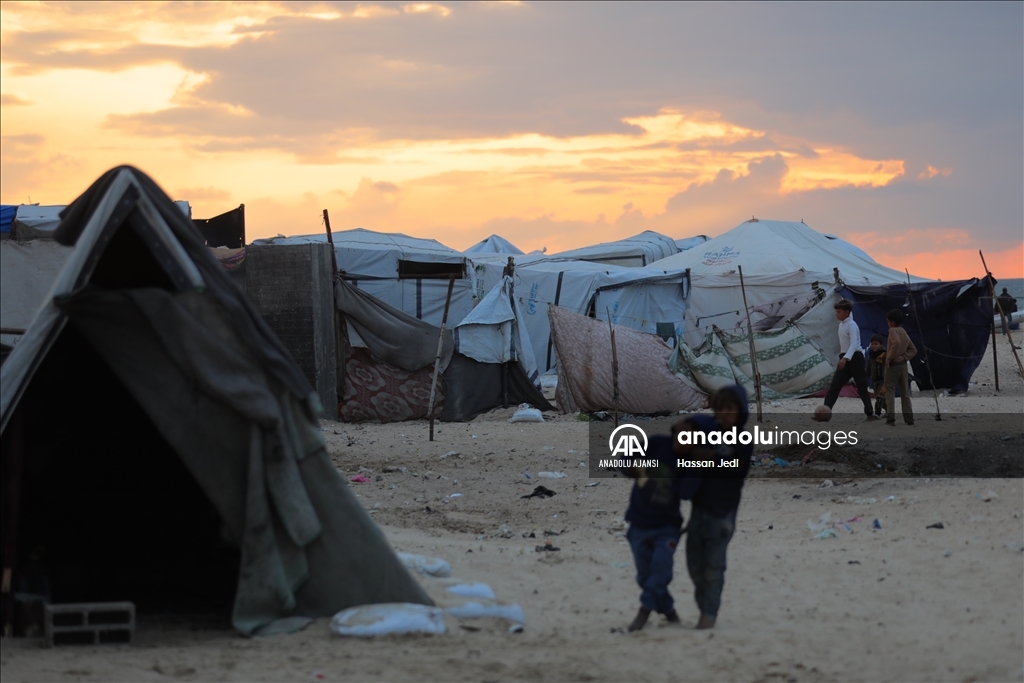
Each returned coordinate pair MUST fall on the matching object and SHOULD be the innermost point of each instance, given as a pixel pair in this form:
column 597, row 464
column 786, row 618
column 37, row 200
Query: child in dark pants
column 713, row 516
column 876, row 371
column 655, row 522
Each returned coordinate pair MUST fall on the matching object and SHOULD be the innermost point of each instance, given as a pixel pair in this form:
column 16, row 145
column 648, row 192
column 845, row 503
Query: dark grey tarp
column 223, row 393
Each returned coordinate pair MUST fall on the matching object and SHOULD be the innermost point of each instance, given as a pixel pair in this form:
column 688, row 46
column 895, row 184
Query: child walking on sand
column 876, row 371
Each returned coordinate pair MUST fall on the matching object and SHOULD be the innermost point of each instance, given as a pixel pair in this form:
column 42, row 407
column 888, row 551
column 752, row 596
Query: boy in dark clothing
column 876, row 371
column 713, row 516
column 655, row 523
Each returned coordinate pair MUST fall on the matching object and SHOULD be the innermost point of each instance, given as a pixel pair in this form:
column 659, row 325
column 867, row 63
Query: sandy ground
column 899, row 603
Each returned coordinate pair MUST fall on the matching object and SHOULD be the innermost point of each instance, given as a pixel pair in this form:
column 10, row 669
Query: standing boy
column 851, row 359
column 899, row 352
column 876, row 371
column 713, row 515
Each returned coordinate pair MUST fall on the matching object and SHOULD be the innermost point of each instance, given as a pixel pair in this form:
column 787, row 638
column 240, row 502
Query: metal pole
column 753, row 350
column 927, row 365
column 615, row 369
column 1002, row 315
column 437, row 359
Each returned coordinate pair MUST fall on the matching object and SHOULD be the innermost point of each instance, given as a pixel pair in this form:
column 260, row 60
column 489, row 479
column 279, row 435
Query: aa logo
column 628, row 441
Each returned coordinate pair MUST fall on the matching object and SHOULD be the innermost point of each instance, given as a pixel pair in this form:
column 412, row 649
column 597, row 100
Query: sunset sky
column 899, row 127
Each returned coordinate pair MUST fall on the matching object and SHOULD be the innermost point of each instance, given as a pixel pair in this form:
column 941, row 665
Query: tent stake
column 1002, row 315
column 927, row 365
column 615, row 369
column 753, row 350
column 437, row 359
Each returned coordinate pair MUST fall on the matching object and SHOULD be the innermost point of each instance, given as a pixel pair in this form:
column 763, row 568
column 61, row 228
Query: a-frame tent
column 159, row 445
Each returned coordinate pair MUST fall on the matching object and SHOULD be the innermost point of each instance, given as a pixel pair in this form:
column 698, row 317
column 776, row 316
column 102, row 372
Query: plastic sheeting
column 495, row 244
column 492, row 333
column 27, row 272
column 636, row 251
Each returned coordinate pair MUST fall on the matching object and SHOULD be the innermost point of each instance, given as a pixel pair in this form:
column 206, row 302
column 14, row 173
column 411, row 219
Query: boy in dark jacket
column 655, row 522
column 713, row 516
column 876, row 371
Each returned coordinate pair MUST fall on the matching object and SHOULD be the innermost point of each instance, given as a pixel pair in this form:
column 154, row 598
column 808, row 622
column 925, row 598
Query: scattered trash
column 548, row 547
column 991, row 495
column 479, row 609
column 937, row 525
column 827, row 484
column 861, row 501
column 824, row 522
column 515, row 628
column 551, row 475
column 775, row 404
column 797, row 496
column 472, row 590
column 853, row 562
column 455, row 495
column 876, row 524
column 780, row 462
column 827, row 533
column 359, row 479
column 380, row 477
column 526, row 413
column 540, row 492
column 504, row 532
column 527, row 475
column 450, row 454
column 891, row 498
column 617, row 524
column 593, row 483
column 946, row 553
column 388, row 469
column 431, row 566
column 388, row 619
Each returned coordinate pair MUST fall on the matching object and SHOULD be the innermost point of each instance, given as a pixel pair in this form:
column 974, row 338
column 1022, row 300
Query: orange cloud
column 931, row 172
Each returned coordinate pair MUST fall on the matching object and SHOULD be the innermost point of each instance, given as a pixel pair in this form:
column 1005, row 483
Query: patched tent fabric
column 493, row 333
column 27, row 272
column 636, row 251
column 949, row 323
column 788, row 363
column 194, row 440
column 585, row 382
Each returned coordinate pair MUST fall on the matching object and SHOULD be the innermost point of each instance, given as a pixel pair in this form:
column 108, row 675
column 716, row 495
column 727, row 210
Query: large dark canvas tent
column 159, row 445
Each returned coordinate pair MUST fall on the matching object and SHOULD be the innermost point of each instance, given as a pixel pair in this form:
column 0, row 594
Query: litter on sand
column 472, row 590
column 551, row 475
column 477, row 609
column 526, row 413
column 540, row 492
column 394, row 618
column 937, row 525
column 431, row 566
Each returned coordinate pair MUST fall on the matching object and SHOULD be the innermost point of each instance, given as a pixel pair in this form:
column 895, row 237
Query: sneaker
column 639, row 620
column 871, row 418
column 672, row 617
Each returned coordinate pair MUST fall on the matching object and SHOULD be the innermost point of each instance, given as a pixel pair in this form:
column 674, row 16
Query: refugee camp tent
column 495, row 244
column 160, row 446
column 653, row 302
column 32, row 221
column 691, row 242
column 851, row 248
column 27, row 272
column 786, row 268
column 7, row 213
column 585, row 380
column 408, row 273
column 389, row 359
column 638, row 250
column 949, row 323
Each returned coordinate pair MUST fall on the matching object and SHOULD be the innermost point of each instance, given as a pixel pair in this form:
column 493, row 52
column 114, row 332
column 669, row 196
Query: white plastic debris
column 551, row 475
column 431, row 566
column 395, row 618
column 526, row 413
column 477, row 609
column 472, row 590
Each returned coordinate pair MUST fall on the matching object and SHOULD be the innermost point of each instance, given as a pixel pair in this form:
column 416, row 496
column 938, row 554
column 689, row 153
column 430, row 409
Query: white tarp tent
column 33, row 221
column 27, row 273
column 493, row 333
column 786, row 267
column 636, row 251
column 409, row 273
column 495, row 244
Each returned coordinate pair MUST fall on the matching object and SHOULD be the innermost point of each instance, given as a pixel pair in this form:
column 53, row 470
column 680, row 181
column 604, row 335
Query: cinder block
column 90, row 623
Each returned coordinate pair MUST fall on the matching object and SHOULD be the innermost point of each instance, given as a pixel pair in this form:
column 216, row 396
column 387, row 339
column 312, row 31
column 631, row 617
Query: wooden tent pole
column 753, row 350
column 615, row 369
column 330, row 240
column 1002, row 315
column 437, row 359
column 924, row 347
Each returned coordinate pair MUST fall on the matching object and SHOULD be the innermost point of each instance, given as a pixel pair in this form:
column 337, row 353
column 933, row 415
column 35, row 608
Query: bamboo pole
column 1002, row 315
column 753, row 349
column 927, row 365
column 437, row 359
column 615, row 369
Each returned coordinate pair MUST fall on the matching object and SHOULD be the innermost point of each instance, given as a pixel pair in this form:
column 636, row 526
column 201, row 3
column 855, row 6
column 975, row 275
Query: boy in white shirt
column 851, row 360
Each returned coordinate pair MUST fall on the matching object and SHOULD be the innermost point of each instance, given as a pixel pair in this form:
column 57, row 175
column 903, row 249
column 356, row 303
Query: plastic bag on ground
column 526, row 413
column 431, row 566
column 476, row 609
column 472, row 590
column 395, row 618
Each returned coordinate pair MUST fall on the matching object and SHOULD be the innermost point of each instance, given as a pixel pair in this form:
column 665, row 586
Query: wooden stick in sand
column 753, row 350
column 437, row 359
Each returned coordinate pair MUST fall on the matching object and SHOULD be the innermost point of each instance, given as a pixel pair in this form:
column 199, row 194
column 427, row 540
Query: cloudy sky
column 899, row 127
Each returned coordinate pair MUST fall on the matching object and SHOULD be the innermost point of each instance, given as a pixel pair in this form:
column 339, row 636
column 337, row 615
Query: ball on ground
column 822, row 413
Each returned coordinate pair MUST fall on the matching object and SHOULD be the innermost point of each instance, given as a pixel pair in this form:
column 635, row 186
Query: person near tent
column 851, row 360
column 713, row 513
column 1006, row 302
column 899, row 352
column 655, row 522
column 876, row 371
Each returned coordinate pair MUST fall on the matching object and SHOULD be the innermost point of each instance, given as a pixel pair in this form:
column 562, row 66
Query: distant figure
column 900, row 350
column 876, row 371
column 851, row 360
column 1007, row 303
